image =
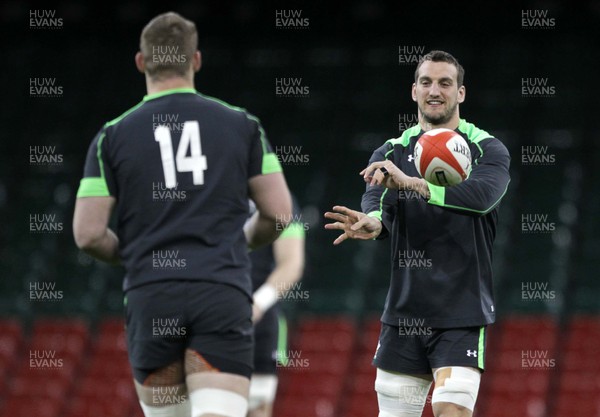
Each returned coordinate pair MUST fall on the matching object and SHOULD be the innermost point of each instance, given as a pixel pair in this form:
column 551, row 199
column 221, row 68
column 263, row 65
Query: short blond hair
column 168, row 43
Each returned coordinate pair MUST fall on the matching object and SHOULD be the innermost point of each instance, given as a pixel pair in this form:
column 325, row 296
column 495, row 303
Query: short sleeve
column 98, row 180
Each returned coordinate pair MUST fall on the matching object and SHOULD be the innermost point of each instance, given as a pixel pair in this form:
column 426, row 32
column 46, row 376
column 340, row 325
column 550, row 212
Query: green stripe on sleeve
column 282, row 342
column 294, row 230
column 438, row 194
column 270, row 163
column 93, row 187
column 376, row 214
column 481, row 347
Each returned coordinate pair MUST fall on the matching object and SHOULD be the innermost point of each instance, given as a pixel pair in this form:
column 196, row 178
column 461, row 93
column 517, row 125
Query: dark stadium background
column 348, row 57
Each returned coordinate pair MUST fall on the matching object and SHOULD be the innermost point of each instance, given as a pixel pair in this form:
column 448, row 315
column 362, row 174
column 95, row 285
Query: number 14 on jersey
column 194, row 163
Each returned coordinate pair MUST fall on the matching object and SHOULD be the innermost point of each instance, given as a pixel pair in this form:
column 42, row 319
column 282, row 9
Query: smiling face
column 438, row 95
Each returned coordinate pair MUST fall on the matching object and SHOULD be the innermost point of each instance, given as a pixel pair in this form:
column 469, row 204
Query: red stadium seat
column 331, row 341
column 301, row 406
column 361, row 405
column 515, row 404
column 61, row 326
column 31, row 407
column 529, row 334
column 327, row 324
column 113, row 325
column 99, row 407
column 39, row 386
column 309, row 383
column 577, row 404
column 328, row 363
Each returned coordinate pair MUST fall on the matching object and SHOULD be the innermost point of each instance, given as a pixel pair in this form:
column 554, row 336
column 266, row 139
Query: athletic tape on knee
column 182, row 409
column 262, row 390
column 400, row 395
column 460, row 388
column 218, row 401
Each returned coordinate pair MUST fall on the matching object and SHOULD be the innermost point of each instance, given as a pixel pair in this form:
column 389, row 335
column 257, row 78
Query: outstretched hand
column 354, row 224
column 387, row 174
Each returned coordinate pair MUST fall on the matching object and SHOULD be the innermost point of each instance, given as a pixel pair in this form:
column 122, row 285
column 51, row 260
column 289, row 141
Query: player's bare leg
column 213, row 393
column 401, row 395
column 164, row 393
column 457, row 388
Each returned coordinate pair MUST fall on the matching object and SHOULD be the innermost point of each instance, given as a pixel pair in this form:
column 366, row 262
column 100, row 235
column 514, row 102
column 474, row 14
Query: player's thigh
column 457, row 358
column 455, row 391
column 401, row 395
column 156, row 332
column 221, row 333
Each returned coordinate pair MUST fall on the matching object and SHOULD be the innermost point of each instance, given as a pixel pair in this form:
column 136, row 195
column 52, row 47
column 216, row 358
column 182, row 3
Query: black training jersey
column 441, row 247
column 263, row 259
column 178, row 164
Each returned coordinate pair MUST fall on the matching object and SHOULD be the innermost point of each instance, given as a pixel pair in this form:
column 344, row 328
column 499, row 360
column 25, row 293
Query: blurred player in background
column 435, row 317
column 275, row 270
column 219, row 157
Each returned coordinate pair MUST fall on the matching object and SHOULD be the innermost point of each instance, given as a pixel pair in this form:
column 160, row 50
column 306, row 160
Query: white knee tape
column 182, row 409
column 460, row 388
column 400, row 395
column 218, row 401
column 262, row 390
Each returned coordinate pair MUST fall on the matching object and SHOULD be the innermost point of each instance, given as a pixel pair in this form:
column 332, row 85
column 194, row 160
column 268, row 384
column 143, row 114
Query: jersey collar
column 167, row 92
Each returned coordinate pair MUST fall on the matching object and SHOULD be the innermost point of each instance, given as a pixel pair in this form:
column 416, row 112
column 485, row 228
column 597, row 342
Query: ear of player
column 442, row 157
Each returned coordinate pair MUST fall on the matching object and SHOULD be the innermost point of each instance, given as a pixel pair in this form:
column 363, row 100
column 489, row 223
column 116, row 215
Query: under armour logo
column 410, row 158
column 472, row 353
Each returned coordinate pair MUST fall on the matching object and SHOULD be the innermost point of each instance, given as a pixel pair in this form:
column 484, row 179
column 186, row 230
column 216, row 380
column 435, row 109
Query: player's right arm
column 94, row 205
column 378, row 201
column 378, row 208
column 268, row 189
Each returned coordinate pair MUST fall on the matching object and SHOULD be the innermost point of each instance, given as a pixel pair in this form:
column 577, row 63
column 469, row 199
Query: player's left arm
column 486, row 185
column 91, row 231
column 288, row 251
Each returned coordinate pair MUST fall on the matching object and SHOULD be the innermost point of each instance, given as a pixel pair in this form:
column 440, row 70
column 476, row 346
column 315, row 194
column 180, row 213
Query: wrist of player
column 265, row 297
column 419, row 185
